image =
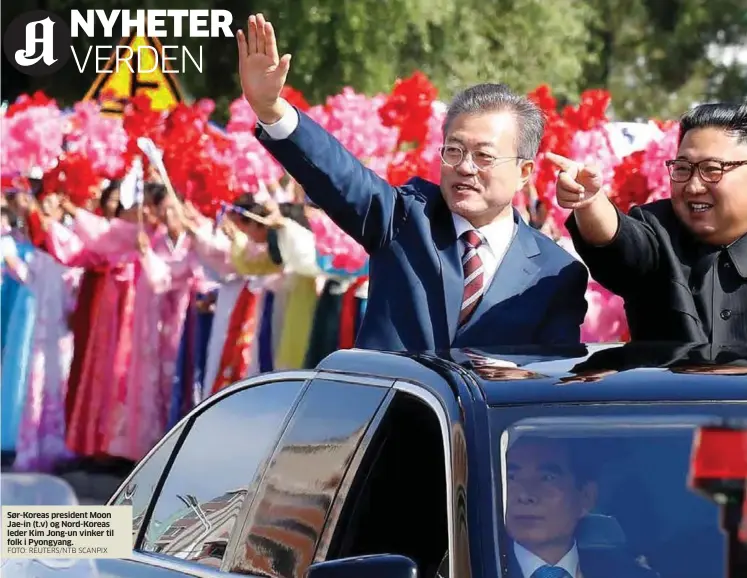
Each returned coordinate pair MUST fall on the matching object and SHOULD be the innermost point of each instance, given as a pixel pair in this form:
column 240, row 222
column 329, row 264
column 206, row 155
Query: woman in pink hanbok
column 111, row 246
column 41, row 440
column 171, row 276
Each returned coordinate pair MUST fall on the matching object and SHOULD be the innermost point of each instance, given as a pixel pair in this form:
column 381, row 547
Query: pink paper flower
column 32, row 137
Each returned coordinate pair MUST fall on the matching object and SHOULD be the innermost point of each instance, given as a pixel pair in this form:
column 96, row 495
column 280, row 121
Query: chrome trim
column 356, row 379
column 427, row 397
column 302, row 375
column 177, row 565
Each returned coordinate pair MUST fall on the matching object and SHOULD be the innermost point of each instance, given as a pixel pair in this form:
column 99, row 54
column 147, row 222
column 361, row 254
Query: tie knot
column 472, row 238
column 550, row 572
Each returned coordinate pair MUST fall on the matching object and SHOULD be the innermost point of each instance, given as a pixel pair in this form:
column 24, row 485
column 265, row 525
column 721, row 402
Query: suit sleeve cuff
column 283, row 128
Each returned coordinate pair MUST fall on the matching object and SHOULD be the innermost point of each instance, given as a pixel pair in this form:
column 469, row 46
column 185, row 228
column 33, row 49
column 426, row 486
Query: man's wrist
column 272, row 114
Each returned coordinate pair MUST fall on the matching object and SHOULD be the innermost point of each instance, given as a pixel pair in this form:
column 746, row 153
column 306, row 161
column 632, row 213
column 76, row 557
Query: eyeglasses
column 453, row 156
column 710, row 170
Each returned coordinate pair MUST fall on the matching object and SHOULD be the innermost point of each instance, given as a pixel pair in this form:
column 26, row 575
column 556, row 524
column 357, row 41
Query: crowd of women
column 119, row 316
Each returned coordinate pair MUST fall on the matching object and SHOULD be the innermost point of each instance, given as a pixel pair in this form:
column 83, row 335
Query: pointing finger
column 563, row 163
column 568, row 183
column 589, row 172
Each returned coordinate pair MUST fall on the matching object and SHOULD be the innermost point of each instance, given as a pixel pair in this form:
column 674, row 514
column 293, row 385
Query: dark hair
column 731, row 118
column 154, row 193
column 36, row 187
column 583, row 461
column 247, row 202
column 294, row 211
column 108, row 192
column 489, row 97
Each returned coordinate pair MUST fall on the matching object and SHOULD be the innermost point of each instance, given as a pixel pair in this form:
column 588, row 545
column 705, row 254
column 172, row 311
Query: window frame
column 501, row 416
column 249, row 505
column 422, row 393
column 170, row 562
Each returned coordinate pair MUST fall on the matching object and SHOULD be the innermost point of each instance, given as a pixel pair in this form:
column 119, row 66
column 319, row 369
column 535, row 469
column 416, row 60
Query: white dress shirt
column 497, row 236
column 530, row 563
column 284, row 127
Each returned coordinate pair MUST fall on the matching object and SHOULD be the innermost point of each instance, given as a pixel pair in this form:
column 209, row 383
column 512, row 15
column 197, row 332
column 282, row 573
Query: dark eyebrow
column 552, row 468
column 684, row 158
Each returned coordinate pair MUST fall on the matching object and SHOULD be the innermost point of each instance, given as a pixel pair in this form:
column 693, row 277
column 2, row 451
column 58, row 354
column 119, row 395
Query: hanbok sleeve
column 68, row 248
column 214, row 250
column 248, row 259
column 103, row 235
column 298, row 249
column 14, row 265
column 157, row 272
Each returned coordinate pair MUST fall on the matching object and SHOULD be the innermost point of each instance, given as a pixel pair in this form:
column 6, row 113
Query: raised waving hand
column 262, row 70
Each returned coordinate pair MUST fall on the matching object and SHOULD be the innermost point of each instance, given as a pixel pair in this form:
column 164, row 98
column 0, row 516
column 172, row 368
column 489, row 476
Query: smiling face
column 714, row 212
column 481, row 195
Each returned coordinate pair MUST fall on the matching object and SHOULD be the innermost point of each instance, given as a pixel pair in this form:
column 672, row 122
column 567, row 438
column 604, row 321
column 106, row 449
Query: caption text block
column 67, row 531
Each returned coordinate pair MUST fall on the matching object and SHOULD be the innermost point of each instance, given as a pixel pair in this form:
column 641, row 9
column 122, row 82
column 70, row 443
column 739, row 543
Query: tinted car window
column 140, row 489
column 298, row 488
column 397, row 503
column 222, row 453
column 612, row 483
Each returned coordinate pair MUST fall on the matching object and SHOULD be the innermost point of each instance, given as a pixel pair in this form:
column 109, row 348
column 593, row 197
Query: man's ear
column 589, row 496
column 527, row 168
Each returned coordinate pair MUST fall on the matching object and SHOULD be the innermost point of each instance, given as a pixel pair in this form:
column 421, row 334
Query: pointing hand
column 577, row 184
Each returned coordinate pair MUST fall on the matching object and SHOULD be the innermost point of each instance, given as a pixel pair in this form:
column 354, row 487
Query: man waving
column 451, row 265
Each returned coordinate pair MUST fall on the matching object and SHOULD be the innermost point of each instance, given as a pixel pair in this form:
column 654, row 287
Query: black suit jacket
column 655, row 264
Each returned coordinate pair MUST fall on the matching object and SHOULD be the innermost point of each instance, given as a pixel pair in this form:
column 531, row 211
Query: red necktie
column 473, row 275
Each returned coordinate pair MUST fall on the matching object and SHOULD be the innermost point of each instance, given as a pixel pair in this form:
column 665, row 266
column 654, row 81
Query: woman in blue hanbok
column 18, row 318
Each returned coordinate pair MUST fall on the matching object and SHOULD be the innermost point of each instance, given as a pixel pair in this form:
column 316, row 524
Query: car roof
column 576, row 373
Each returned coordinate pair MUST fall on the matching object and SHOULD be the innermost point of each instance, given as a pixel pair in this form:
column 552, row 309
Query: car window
column 397, row 503
column 611, row 486
column 140, row 489
column 222, row 453
column 300, row 484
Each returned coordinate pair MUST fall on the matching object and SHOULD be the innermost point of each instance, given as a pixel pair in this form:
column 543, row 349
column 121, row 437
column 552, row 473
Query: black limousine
column 604, row 461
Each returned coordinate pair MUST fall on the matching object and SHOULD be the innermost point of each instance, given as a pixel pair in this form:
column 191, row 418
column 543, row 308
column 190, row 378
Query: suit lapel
column 447, row 248
column 515, row 273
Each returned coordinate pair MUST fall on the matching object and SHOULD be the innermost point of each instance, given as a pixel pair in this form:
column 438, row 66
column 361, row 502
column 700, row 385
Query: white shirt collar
column 497, row 234
column 530, row 563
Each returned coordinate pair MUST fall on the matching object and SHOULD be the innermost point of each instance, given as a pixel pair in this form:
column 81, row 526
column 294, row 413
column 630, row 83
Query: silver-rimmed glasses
column 453, row 156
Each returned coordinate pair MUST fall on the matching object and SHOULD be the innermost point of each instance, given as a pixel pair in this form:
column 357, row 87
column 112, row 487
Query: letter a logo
column 37, row 43
column 25, row 57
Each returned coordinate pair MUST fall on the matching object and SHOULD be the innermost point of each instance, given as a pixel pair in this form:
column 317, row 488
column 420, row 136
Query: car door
column 397, row 498
column 295, row 496
column 189, row 494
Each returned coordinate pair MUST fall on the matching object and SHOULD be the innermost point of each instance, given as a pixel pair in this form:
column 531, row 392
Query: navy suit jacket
column 416, row 279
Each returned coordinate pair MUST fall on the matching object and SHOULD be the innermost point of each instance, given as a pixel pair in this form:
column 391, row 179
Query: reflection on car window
column 139, row 490
column 198, row 507
column 605, row 496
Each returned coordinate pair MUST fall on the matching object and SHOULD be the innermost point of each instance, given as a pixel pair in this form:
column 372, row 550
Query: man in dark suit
column 450, row 265
column 550, row 490
column 680, row 264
